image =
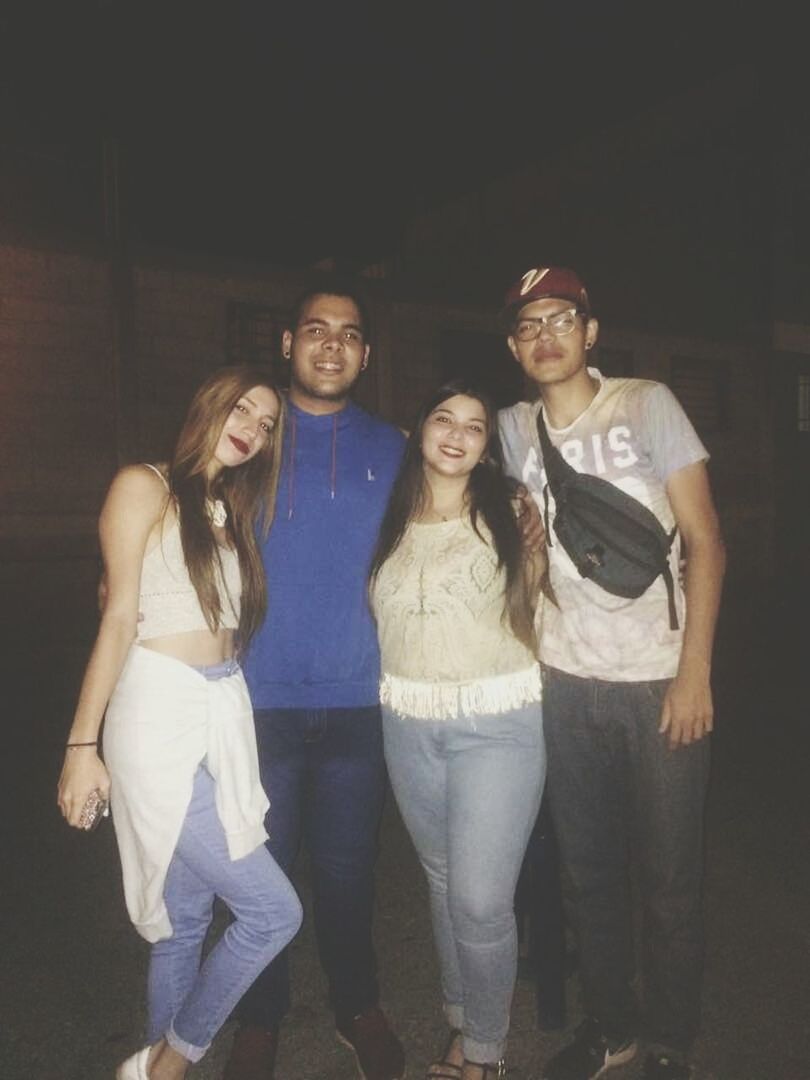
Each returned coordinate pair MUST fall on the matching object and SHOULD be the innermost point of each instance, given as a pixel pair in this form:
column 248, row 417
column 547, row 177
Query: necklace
column 437, row 517
column 217, row 514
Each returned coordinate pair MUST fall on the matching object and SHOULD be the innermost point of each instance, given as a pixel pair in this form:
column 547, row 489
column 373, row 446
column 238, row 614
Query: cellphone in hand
column 95, row 808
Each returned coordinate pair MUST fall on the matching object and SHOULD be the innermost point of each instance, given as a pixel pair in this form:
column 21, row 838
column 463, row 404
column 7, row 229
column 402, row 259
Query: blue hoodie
column 317, row 648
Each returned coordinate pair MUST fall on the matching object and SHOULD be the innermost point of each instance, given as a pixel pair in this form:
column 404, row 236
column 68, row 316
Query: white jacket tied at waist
column 164, row 720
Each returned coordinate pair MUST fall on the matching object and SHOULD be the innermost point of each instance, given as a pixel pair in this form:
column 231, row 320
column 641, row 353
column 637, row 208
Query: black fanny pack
column 611, row 538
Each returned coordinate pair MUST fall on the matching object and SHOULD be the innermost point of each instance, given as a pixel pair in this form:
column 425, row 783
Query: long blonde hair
column 248, row 492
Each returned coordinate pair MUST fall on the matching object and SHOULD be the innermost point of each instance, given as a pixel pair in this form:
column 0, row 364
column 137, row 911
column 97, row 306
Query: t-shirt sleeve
column 509, row 437
column 671, row 439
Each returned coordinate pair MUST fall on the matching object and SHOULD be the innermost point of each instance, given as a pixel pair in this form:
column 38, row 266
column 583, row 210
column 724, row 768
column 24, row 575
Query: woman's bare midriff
column 196, row 647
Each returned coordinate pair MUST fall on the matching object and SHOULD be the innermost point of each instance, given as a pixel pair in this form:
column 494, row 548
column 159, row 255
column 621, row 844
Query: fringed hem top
column 447, row 649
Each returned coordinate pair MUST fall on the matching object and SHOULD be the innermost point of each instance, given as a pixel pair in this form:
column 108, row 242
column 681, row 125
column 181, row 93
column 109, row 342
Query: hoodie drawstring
column 291, row 466
column 291, row 484
column 333, row 474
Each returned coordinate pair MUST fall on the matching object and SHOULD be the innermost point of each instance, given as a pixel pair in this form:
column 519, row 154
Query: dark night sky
column 293, row 131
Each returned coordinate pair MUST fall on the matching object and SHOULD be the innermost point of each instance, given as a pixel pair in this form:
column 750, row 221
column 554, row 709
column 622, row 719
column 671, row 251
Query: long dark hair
column 248, row 491
column 488, row 493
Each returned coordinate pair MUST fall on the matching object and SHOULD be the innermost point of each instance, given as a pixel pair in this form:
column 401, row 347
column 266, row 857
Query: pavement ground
column 72, row 969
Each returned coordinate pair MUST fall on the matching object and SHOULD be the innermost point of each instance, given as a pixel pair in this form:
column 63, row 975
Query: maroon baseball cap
column 544, row 282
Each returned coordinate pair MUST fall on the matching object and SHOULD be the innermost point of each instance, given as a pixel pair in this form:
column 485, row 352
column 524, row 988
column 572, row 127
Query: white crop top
column 168, row 602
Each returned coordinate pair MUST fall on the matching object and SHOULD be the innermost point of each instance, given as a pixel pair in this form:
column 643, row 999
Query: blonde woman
column 185, row 590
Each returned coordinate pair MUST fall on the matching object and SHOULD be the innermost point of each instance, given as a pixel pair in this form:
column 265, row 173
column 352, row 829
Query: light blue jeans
column 469, row 791
column 188, row 1003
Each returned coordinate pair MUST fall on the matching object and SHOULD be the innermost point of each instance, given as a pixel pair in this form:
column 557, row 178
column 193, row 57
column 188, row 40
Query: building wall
column 58, row 441
column 59, row 420
column 56, row 408
column 86, row 390
column 181, row 320
column 740, row 446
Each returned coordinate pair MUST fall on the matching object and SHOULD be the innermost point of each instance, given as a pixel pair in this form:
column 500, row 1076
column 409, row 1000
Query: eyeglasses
column 558, row 324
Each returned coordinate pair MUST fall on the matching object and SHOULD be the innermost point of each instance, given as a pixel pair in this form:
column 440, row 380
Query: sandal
column 449, row 1071
column 490, row 1070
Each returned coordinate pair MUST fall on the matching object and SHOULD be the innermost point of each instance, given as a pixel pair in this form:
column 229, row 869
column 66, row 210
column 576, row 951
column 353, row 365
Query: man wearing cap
column 627, row 701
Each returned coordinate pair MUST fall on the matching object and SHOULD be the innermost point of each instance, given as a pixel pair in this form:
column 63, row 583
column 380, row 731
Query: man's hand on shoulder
column 532, row 533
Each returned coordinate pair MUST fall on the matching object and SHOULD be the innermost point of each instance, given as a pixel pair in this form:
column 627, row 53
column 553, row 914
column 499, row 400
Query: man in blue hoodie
column 313, row 673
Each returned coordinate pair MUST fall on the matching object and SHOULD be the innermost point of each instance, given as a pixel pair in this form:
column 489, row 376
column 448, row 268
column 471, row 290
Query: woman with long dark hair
column 184, row 592
column 453, row 593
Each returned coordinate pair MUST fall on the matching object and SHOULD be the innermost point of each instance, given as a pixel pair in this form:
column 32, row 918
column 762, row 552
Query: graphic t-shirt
column 636, row 435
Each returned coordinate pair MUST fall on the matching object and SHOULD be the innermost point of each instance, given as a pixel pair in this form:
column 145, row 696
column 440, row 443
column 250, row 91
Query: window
column 254, row 337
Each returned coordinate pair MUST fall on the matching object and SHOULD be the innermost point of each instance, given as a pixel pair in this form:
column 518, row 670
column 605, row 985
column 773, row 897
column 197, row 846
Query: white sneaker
column 134, row 1068
column 590, row 1055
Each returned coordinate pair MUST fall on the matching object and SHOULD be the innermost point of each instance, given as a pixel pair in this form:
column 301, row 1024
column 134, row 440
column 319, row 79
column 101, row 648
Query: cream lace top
column 446, row 648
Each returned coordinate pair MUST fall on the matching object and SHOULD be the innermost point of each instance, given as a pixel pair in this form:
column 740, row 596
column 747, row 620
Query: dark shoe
column 662, row 1066
column 378, row 1051
column 253, row 1054
column 443, row 1068
column 590, row 1055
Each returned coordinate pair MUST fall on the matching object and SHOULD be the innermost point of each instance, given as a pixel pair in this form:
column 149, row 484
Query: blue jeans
column 188, row 1003
column 619, row 793
column 469, row 791
column 324, row 773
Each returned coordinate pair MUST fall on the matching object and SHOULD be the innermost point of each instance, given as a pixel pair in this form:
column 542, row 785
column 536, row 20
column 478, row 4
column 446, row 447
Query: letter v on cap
column 531, row 278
